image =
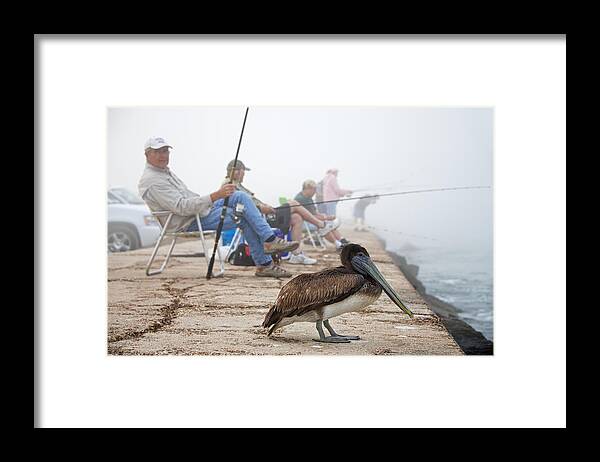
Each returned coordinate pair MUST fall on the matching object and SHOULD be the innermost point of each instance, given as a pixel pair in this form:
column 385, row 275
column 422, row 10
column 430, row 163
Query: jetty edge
column 471, row 341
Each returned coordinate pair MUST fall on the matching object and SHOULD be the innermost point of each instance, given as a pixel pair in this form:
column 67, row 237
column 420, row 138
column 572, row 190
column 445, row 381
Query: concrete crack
column 168, row 313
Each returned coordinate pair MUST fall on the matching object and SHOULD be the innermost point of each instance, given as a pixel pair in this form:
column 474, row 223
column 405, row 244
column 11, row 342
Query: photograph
column 300, row 230
column 377, row 218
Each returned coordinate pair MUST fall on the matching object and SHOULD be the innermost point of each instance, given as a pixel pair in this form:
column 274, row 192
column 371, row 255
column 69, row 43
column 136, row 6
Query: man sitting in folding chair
column 305, row 197
column 163, row 191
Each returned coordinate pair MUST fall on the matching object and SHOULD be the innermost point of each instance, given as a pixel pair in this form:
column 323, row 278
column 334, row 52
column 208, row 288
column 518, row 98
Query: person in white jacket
column 331, row 192
column 163, row 191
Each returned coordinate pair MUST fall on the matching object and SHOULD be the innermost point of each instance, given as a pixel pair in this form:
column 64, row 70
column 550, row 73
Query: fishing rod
column 225, row 204
column 398, row 194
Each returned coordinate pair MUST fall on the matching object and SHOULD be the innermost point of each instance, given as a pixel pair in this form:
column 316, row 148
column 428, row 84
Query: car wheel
column 121, row 239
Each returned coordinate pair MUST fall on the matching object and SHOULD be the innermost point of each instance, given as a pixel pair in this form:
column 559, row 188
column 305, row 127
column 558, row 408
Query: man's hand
column 225, row 191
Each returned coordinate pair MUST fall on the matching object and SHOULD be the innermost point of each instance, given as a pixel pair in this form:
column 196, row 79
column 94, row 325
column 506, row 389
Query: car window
column 112, row 199
column 127, row 196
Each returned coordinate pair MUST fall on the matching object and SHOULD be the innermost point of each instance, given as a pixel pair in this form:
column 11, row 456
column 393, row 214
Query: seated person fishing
column 305, row 197
column 287, row 216
column 163, row 191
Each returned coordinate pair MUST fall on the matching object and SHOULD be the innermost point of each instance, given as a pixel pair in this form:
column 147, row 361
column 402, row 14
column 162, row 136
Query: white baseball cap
column 156, row 142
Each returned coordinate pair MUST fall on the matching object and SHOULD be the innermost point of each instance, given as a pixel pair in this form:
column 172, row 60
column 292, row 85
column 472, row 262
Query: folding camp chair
column 284, row 200
column 235, row 241
column 160, row 216
column 320, row 240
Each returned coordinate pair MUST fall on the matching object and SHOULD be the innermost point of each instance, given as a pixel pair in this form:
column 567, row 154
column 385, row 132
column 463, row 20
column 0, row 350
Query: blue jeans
column 256, row 230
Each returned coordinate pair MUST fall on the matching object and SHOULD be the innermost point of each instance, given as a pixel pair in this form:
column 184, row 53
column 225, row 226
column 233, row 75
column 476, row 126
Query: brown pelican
column 317, row 297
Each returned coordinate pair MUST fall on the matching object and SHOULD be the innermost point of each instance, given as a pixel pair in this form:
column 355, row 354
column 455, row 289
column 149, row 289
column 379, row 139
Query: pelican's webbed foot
column 335, row 334
column 334, row 338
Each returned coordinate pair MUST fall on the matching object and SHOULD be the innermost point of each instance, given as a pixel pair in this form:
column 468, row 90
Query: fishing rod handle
column 211, row 263
column 223, row 211
column 225, row 203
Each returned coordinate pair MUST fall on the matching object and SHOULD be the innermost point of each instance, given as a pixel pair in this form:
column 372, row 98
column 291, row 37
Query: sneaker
column 272, row 271
column 329, row 226
column 301, row 259
column 279, row 245
column 344, row 243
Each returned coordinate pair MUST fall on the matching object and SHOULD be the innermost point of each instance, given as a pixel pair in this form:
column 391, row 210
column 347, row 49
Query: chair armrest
column 165, row 213
column 161, row 213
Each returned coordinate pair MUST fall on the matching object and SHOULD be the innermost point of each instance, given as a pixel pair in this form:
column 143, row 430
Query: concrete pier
column 179, row 312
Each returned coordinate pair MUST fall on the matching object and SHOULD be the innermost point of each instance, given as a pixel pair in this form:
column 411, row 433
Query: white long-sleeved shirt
column 331, row 189
column 163, row 191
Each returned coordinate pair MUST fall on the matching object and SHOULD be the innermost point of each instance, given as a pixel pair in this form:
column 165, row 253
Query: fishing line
column 395, row 194
column 376, row 228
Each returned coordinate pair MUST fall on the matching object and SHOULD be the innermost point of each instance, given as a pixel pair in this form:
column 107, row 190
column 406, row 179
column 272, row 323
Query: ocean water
column 461, row 277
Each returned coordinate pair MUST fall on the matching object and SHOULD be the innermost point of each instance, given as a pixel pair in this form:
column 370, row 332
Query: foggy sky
column 414, row 148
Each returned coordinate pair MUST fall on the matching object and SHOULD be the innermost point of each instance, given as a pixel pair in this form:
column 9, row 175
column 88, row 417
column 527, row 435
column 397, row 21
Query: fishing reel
column 238, row 213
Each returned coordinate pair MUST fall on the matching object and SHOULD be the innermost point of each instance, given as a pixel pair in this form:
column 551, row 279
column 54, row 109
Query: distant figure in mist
column 359, row 212
column 163, row 191
column 328, row 190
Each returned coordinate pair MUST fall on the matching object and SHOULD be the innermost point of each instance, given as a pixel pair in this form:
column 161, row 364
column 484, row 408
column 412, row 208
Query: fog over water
column 449, row 234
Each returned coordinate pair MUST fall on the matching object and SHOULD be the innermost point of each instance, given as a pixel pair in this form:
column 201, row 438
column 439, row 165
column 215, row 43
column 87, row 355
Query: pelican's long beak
column 364, row 265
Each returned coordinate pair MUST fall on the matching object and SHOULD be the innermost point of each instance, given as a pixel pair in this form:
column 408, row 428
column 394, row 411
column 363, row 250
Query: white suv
column 130, row 223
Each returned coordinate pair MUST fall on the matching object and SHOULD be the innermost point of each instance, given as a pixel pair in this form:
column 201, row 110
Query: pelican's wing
column 312, row 290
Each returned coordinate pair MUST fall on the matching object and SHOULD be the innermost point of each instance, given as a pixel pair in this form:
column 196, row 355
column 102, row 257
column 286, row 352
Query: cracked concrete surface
column 179, row 312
